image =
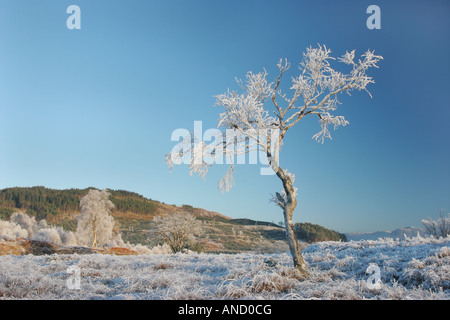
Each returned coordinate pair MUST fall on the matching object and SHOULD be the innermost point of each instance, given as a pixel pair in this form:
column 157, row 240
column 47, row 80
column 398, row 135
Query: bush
column 48, row 235
column 12, row 230
column 438, row 228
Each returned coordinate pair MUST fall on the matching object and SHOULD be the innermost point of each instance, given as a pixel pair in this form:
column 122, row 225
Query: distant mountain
column 397, row 233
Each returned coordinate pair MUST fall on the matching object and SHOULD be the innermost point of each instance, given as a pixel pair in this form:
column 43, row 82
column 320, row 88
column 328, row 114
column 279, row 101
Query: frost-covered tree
column 11, row 230
column 438, row 228
column 175, row 228
column 260, row 127
column 26, row 222
column 22, row 225
column 48, row 235
column 94, row 223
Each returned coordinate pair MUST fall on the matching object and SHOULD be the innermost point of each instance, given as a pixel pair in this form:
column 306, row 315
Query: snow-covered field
column 417, row 268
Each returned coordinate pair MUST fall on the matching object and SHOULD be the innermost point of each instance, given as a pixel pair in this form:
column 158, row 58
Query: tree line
column 41, row 202
column 310, row 232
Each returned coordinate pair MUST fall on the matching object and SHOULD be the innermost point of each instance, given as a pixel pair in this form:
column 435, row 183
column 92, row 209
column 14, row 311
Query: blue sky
column 97, row 106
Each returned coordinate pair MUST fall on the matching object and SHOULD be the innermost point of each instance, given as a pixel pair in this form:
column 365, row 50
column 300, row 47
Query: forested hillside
column 45, row 203
column 39, row 201
column 310, row 232
column 133, row 214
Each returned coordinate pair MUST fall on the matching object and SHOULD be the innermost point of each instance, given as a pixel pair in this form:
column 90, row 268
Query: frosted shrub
column 11, row 230
column 42, row 224
column 163, row 249
column 68, row 238
column 56, row 235
column 141, row 249
column 24, row 226
column 175, row 228
column 438, row 228
column 48, row 235
column 25, row 221
column 117, row 241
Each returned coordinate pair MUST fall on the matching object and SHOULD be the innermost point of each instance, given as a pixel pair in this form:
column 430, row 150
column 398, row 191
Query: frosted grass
column 417, row 268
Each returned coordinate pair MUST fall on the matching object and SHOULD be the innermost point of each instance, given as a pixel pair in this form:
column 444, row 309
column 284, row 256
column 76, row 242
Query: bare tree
column 438, row 228
column 175, row 228
column 314, row 93
column 95, row 224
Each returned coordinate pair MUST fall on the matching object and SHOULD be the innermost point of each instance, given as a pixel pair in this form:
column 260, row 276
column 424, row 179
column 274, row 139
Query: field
column 417, row 268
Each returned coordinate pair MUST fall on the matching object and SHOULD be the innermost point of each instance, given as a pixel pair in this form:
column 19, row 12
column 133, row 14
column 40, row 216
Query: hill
column 311, row 233
column 399, row 233
column 55, row 205
column 133, row 214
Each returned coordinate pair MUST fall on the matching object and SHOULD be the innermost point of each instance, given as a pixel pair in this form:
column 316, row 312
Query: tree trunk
column 288, row 212
column 94, row 231
column 288, row 206
column 94, row 241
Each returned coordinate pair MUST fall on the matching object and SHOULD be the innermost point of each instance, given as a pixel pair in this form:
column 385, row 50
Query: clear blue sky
column 97, row 106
